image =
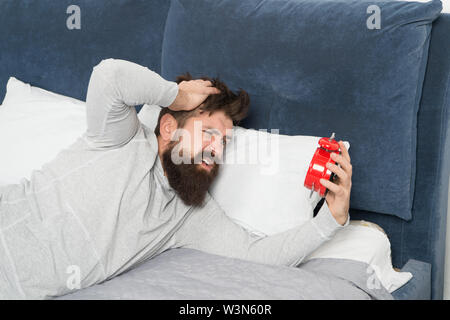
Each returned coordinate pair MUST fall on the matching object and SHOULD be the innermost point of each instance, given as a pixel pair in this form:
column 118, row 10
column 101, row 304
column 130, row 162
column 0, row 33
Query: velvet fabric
column 419, row 287
column 423, row 238
column 37, row 47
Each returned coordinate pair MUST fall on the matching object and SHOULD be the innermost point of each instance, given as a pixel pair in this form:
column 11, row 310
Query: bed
column 58, row 55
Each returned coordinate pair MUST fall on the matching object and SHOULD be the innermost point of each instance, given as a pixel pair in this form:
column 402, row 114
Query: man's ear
column 167, row 126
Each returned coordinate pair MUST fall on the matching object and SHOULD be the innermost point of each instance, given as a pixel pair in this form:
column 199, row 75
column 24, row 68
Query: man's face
column 192, row 164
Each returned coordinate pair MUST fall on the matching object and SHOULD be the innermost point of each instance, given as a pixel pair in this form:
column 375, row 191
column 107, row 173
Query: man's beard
column 189, row 180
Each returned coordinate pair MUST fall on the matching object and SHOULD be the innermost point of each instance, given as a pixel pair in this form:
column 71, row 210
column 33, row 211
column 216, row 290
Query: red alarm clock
column 317, row 168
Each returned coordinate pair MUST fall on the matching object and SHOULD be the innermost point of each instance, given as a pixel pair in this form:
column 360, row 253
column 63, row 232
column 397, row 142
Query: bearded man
column 120, row 195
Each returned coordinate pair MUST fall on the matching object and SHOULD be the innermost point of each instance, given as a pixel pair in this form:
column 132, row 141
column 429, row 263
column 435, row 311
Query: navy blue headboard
column 37, row 47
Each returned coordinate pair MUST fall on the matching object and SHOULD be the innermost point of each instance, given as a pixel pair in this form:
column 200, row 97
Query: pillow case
column 313, row 65
column 260, row 185
column 34, row 130
column 362, row 241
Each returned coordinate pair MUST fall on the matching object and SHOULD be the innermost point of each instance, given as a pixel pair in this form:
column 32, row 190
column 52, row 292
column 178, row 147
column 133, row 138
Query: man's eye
column 207, row 132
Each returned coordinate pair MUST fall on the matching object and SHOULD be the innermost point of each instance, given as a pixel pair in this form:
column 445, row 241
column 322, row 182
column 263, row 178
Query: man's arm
column 210, row 230
column 115, row 87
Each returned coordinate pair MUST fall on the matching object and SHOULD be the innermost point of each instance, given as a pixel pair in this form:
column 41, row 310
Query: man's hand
column 338, row 195
column 191, row 94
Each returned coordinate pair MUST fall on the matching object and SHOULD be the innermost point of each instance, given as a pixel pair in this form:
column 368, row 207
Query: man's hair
column 235, row 106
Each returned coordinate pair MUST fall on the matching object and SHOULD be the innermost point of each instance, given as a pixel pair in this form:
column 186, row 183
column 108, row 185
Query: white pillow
column 18, row 91
column 363, row 242
column 266, row 195
column 33, row 131
column 36, row 124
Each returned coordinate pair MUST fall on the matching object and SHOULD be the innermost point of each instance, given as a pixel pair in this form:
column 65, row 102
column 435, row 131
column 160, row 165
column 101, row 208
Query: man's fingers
column 203, row 82
column 344, row 163
column 207, row 90
column 204, row 87
column 337, row 170
column 207, row 83
column 344, row 150
column 211, row 90
column 331, row 186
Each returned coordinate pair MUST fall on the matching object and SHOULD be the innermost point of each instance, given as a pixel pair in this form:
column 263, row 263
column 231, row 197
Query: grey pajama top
column 103, row 204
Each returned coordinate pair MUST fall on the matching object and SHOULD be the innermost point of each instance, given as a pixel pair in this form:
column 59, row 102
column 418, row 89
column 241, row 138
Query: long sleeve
column 210, row 230
column 115, row 87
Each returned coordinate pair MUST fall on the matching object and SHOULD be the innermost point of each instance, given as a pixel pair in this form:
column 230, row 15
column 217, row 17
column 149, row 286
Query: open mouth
column 207, row 163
